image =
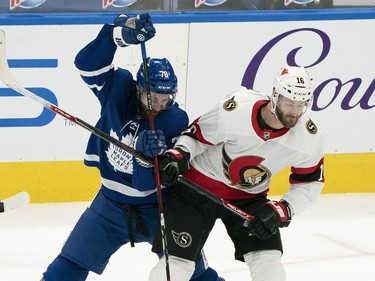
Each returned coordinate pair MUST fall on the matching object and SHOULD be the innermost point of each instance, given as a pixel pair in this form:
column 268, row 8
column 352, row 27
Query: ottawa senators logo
column 311, row 127
column 182, row 239
column 245, row 172
column 230, row 104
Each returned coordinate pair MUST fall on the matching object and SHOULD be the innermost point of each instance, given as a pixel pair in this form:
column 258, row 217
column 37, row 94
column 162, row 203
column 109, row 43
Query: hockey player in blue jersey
column 125, row 210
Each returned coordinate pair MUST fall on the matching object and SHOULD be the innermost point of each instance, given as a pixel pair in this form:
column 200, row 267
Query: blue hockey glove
column 133, row 30
column 173, row 163
column 151, row 143
column 269, row 218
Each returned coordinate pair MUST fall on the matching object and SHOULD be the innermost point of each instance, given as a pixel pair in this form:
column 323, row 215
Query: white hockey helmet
column 293, row 82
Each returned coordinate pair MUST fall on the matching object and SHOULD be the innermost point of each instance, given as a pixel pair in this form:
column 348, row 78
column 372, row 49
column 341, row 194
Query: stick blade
column 16, row 201
column 5, row 74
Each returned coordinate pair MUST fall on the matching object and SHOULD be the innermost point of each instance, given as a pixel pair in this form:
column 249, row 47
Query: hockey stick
column 216, row 199
column 8, row 79
column 16, row 201
column 156, row 163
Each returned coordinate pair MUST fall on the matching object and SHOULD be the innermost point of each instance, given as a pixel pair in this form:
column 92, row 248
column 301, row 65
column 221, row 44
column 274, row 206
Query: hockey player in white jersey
column 233, row 150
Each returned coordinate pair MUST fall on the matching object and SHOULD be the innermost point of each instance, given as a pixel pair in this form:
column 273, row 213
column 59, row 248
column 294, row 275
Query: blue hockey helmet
column 161, row 76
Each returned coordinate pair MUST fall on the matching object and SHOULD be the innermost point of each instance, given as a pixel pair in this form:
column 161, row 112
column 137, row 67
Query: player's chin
column 155, row 113
column 290, row 122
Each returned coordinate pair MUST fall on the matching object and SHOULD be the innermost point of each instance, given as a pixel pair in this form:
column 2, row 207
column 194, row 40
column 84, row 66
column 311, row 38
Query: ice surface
column 332, row 241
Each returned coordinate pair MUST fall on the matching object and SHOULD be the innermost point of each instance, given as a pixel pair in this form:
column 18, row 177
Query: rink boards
column 42, row 153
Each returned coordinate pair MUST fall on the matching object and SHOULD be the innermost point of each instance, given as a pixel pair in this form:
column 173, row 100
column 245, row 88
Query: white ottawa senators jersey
column 234, row 158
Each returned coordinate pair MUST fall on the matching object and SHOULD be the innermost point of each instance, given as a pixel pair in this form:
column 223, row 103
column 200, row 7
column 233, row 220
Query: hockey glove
column 269, row 218
column 151, row 143
column 133, row 30
column 173, row 163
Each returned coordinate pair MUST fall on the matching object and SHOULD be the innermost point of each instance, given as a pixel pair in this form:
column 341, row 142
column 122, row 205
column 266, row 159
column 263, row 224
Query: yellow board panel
column 65, row 181
column 344, row 173
column 69, row 181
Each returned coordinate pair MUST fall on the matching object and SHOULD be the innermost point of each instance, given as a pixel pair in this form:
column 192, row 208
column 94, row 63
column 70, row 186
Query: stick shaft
column 216, row 199
column 156, row 163
column 15, row 86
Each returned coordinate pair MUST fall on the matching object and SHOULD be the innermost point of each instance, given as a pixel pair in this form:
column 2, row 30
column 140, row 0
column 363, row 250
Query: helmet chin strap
column 273, row 110
column 274, row 99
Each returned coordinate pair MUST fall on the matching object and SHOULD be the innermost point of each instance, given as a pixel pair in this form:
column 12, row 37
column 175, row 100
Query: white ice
column 332, row 241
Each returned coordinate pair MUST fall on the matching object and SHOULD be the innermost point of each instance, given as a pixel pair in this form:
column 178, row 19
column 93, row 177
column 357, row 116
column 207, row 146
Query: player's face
column 159, row 102
column 289, row 111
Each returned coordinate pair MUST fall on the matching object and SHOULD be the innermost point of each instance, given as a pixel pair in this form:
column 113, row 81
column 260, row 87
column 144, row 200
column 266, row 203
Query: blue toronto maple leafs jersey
column 124, row 178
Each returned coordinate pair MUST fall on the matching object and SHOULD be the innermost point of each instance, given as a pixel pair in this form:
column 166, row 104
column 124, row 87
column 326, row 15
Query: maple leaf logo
column 121, row 160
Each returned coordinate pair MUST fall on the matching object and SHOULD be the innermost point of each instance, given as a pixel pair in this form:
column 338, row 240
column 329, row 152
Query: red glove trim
column 280, row 209
column 175, row 153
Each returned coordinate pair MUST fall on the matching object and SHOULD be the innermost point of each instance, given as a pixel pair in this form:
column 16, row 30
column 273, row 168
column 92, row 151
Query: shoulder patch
column 311, row 127
column 230, row 104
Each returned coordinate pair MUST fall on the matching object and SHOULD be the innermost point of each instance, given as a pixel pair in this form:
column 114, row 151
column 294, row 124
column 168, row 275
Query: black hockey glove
column 269, row 218
column 133, row 30
column 173, row 163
